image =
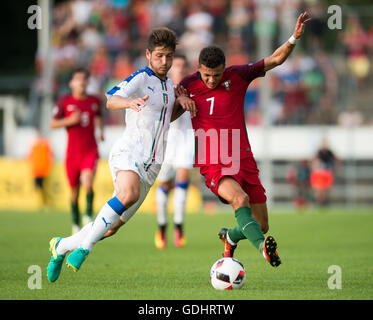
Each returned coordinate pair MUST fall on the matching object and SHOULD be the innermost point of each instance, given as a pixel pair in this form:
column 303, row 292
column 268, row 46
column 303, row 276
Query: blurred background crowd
column 322, row 90
column 315, row 86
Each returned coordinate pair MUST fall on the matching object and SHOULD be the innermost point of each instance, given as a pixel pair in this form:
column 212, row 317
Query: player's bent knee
column 241, row 200
column 128, row 198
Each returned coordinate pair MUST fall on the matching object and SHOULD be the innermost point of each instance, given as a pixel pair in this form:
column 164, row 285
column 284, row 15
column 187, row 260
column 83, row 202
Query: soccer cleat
column 179, row 238
column 270, row 251
column 228, row 248
column 160, row 240
column 55, row 263
column 76, row 258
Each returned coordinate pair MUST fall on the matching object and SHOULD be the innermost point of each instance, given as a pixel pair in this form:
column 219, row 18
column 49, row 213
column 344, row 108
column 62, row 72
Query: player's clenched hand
column 301, row 24
column 137, row 103
column 188, row 105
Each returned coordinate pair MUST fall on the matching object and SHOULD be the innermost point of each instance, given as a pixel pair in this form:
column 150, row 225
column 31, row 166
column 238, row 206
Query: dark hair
column 211, row 57
column 79, row 70
column 162, row 37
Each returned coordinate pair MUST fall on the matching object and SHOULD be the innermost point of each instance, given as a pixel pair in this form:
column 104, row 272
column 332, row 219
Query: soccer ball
column 227, row 274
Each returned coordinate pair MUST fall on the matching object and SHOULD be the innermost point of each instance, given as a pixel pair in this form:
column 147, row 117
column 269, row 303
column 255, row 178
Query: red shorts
column 247, row 176
column 76, row 164
column 321, row 179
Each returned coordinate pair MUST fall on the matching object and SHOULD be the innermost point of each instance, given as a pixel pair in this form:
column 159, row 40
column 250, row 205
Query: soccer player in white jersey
column 178, row 162
column 135, row 159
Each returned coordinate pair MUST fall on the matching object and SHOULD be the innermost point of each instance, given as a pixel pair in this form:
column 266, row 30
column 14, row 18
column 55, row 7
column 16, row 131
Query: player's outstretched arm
column 282, row 53
column 117, row 102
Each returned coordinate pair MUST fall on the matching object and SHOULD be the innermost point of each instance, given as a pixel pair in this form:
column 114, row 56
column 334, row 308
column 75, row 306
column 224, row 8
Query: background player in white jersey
column 135, row 159
column 178, row 162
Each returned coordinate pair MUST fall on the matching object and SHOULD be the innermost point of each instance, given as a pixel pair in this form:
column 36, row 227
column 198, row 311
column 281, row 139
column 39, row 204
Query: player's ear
column 148, row 54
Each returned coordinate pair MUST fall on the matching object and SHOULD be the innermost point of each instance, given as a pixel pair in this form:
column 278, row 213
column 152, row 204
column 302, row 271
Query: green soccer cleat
column 76, row 258
column 55, row 263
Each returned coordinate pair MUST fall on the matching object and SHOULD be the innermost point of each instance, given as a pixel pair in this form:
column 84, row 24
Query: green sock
column 89, row 211
column 75, row 213
column 235, row 234
column 247, row 228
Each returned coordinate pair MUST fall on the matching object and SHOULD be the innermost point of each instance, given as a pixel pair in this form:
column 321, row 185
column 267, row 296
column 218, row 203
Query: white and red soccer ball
column 227, row 274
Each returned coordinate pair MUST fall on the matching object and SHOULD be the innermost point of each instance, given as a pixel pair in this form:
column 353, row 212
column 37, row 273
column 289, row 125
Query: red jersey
column 81, row 137
column 219, row 125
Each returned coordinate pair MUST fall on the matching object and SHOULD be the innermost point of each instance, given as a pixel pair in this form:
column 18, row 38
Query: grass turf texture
column 128, row 266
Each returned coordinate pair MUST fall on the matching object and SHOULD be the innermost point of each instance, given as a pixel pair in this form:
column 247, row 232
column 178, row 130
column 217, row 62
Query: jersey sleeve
column 250, row 71
column 59, row 110
column 128, row 87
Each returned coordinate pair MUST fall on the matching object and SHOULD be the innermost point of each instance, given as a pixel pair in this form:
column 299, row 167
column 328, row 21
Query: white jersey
column 143, row 142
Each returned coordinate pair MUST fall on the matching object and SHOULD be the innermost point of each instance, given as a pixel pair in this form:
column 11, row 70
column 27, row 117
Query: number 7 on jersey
column 211, row 104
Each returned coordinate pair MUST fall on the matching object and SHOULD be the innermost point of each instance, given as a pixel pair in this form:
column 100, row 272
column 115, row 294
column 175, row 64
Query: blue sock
column 116, row 205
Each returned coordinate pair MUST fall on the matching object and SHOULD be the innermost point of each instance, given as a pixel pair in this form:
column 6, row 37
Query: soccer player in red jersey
column 223, row 151
column 80, row 114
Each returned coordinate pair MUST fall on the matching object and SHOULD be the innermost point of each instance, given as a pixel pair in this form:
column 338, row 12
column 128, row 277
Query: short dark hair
column 79, row 70
column 162, row 37
column 212, row 57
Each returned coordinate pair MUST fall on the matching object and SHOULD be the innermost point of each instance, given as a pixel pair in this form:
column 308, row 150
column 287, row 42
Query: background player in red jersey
column 223, row 150
column 80, row 114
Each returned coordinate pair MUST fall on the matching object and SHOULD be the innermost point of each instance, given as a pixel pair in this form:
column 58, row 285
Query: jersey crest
column 227, row 85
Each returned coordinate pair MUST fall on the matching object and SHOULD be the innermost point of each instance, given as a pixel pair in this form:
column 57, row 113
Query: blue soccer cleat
column 55, row 263
column 76, row 258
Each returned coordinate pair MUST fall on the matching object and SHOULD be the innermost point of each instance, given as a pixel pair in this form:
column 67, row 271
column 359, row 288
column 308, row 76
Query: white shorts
column 125, row 157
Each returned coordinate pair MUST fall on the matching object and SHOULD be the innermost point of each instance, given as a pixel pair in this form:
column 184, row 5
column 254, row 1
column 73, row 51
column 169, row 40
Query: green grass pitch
column 129, row 267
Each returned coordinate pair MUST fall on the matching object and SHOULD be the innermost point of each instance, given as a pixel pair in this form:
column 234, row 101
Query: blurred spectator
column 235, row 52
column 198, row 33
column 299, row 176
column 176, row 22
column 294, row 95
column 123, row 67
column 91, row 38
column 40, row 157
column 357, row 43
column 218, row 9
column 326, row 113
column 238, row 17
column 316, row 27
column 107, row 36
column 100, row 64
column 324, row 167
column 81, row 10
